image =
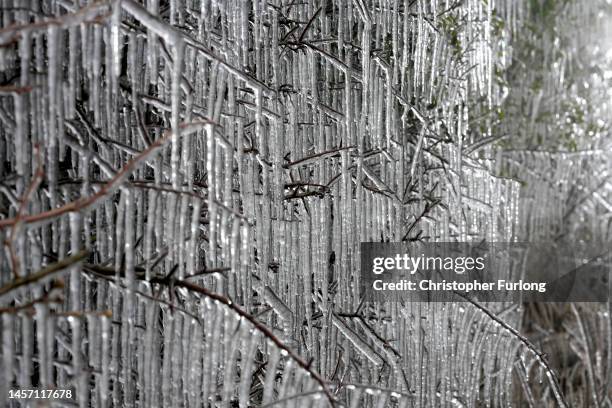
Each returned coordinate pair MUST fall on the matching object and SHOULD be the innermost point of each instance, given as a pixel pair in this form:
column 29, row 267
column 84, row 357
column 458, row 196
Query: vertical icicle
column 8, row 353
column 104, row 378
column 129, row 309
column 211, row 148
column 177, row 73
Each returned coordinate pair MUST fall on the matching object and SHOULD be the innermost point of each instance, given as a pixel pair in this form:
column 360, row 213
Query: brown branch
column 15, row 90
column 108, row 188
column 44, row 273
column 38, row 177
column 538, row 354
column 109, row 275
column 260, row 327
column 46, row 298
column 171, row 282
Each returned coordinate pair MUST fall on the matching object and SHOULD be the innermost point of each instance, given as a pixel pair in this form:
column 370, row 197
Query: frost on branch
column 185, row 185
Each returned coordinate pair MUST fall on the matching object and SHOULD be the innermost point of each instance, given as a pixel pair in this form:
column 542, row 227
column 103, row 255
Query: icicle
column 212, row 195
column 8, row 353
column 177, row 73
column 238, row 336
column 273, row 359
column 169, row 338
column 42, row 334
column 246, row 367
column 362, row 346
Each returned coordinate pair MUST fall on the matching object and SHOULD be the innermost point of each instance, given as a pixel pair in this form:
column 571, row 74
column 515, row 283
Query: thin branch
column 259, row 326
column 48, row 297
column 552, row 377
column 312, row 19
column 44, row 273
column 111, row 186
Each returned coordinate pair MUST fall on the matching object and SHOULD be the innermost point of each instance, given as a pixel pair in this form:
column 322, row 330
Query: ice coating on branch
column 219, row 163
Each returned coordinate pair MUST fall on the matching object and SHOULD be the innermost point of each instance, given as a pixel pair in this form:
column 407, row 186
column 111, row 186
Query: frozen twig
column 550, row 374
column 108, row 188
column 42, row 275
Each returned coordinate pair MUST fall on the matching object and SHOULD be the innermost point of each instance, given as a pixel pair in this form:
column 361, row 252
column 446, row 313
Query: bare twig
column 108, row 188
column 550, row 374
column 43, row 274
column 260, row 327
